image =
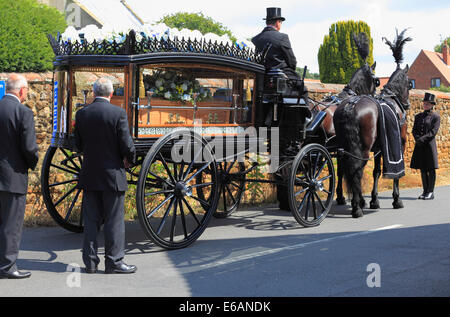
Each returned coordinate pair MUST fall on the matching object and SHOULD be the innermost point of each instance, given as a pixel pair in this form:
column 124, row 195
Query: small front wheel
column 311, row 185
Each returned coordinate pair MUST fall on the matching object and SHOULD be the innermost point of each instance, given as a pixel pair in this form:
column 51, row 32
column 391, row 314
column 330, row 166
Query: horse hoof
column 374, row 205
column 398, row 204
column 357, row 213
column 341, row 201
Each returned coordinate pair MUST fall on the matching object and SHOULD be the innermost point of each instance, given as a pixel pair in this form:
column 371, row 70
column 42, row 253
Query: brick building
column 431, row 69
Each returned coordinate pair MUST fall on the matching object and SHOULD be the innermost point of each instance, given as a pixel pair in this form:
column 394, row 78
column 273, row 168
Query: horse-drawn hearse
column 203, row 116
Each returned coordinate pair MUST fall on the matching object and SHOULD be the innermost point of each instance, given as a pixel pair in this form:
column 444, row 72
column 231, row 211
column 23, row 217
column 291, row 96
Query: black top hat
column 429, row 98
column 274, row 14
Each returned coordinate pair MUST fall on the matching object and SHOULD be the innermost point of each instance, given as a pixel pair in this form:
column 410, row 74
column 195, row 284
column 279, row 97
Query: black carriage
column 198, row 113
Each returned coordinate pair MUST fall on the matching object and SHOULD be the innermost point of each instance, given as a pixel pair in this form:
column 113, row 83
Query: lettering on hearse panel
column 192, row 307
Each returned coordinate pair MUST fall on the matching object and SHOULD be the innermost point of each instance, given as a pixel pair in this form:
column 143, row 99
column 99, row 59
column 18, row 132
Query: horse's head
column 400, row 85
column 364, row 81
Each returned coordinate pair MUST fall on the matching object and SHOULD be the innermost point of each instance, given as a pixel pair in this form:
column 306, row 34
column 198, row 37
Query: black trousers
column 428, row 180
column 12, row 211
column 103, row 207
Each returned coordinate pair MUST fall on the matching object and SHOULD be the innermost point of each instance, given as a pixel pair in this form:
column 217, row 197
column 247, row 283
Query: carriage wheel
column 169, row 209
column 59, row 180
column 311, row 185
column 232, row 186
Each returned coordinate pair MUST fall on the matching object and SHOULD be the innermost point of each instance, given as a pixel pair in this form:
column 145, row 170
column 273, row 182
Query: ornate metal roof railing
column 152, row 45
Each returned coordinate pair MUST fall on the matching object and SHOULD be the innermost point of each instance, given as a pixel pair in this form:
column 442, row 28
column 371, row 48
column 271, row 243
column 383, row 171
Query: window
column 413, row 84
column 435, row 82
column 219, row 98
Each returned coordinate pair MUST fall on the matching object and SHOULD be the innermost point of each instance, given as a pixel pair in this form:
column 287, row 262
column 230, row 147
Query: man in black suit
column 425, row 155
column 280, row 55
column 18, row 153
column 103, row 136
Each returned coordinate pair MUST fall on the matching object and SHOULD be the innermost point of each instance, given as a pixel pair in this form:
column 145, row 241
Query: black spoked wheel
column 232, row 186
column 59, row 180
column 311, row 185
column 169, row 209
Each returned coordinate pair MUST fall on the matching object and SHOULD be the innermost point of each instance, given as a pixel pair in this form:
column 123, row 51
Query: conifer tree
column 338, row 55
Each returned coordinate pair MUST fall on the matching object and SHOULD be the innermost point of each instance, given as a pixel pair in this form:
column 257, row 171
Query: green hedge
column 24, row 25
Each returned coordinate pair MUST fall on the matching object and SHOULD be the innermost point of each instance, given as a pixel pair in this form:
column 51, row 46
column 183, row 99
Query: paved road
column 261, row 252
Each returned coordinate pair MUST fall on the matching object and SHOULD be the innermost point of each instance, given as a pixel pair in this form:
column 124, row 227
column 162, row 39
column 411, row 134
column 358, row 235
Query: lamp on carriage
column 85, row 93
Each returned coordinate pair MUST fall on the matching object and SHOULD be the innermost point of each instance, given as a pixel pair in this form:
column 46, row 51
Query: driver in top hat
column 280, row 55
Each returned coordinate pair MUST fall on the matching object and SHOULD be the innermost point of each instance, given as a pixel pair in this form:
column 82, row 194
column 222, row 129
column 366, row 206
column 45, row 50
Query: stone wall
column 319, row 90
column 40, row 101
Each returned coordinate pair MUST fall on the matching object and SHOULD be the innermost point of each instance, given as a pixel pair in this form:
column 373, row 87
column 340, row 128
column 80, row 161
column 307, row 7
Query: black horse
column 363, row 82
column 356, row 121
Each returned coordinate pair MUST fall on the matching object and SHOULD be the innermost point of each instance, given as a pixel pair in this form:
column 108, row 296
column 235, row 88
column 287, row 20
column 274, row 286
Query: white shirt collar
column 102, row 98
column 13, row 96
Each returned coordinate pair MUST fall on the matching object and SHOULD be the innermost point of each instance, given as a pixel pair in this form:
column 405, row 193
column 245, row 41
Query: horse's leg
column 362, row 201
column 340, row 199
column 375, row 203
column 397, row 203
column 357, row 211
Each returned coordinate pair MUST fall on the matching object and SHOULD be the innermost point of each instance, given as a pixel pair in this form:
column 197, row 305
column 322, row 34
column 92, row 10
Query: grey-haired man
column 18, row 154
column 102, row 134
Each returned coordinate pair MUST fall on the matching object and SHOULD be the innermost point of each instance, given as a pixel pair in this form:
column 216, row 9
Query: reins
column 342, row 152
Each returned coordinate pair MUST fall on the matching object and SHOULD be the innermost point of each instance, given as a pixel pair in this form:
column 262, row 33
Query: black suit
column 102, row 134
column 18, row 153
column 425, row 155
column 280, row 55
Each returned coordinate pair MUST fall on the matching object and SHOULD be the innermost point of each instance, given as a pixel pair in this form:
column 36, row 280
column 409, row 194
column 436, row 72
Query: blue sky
column 307, row 22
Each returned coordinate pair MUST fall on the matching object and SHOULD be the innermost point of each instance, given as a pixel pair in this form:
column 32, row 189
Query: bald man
column 18, row 154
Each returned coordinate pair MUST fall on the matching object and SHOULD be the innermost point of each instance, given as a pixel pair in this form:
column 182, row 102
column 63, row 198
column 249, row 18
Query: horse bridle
column 392, row 95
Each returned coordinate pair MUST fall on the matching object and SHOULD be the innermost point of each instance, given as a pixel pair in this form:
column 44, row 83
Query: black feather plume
column 362, row 44
column 397, row 46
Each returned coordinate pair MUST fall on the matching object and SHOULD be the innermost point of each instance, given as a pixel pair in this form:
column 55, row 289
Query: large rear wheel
column 59, row 180
column 170, row 211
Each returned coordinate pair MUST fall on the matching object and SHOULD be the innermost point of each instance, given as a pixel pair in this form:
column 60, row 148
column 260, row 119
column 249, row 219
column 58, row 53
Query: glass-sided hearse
column 194, row 110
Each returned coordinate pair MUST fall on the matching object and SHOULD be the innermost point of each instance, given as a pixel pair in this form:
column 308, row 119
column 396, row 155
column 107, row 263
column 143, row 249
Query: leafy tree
column 23, row 35
column 196, row 21
column 338, row 55
column 438, row 48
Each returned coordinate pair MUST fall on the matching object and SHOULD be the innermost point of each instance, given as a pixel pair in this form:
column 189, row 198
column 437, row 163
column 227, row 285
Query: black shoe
column 91, row 271
column 122, row 268
column 422, row 196
column 429, row 196
column 14, row 275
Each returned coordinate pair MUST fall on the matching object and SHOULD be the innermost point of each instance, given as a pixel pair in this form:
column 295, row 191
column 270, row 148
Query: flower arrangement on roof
column 92, row 33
